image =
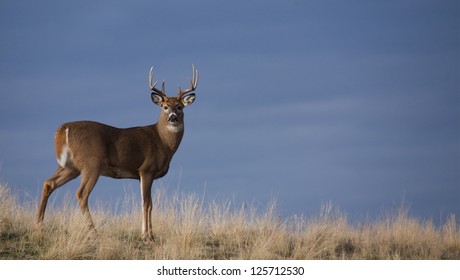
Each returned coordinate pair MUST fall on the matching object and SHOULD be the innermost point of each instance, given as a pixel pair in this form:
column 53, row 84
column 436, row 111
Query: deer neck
column 170, row 135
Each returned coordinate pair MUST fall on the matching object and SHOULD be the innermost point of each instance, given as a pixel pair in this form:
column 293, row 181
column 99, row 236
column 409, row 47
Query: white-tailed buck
column 92, row 149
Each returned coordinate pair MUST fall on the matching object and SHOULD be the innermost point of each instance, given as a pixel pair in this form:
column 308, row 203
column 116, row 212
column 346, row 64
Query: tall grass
column 186, row 229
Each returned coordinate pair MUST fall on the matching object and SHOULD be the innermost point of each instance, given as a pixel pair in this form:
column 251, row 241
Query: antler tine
column 152, row 86
column 193, row 83
column 195, row 77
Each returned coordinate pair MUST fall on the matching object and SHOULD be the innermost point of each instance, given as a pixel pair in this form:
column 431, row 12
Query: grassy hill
column 186, row 229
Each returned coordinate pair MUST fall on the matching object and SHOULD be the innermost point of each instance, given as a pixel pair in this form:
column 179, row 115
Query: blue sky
column 302, row 102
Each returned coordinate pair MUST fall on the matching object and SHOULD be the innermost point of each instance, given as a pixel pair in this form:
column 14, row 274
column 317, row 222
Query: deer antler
column 152, row 86
column 193, row 83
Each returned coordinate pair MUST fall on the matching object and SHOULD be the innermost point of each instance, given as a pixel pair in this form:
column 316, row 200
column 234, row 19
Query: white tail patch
column 65, row 155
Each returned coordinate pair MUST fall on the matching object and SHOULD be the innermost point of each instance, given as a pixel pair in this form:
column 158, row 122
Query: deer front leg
column 146, row 188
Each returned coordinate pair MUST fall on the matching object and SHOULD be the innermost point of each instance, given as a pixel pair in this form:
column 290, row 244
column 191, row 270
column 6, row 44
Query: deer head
column 172, row 107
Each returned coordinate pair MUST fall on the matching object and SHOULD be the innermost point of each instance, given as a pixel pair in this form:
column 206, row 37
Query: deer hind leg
column 88, row 181
column 60, row 177
column 146, row 188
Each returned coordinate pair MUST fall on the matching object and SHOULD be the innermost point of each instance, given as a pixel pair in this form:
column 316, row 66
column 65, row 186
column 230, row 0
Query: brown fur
column 96, row 149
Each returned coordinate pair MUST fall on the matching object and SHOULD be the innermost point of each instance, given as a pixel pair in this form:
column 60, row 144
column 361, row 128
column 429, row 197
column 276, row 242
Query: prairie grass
column 185, row 228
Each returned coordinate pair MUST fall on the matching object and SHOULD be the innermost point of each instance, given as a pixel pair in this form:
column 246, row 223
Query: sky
column 299, row 102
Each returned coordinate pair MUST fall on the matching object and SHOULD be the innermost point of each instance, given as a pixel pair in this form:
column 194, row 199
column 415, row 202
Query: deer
column 91, row 149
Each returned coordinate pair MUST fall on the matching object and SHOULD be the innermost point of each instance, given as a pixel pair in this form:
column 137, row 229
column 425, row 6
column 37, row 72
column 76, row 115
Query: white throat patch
column 175, row 128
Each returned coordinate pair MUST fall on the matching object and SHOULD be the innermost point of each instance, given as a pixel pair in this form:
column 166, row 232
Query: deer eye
column 179, row 108
column 166, row 107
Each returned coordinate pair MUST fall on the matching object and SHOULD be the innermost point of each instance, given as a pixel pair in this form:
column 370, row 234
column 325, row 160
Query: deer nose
column 172, row 118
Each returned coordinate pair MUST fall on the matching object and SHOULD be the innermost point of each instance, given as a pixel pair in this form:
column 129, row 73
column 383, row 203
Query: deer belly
column 119, row 173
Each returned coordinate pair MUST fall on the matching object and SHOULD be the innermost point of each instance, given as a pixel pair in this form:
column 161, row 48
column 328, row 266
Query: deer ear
column 157, row 99
column 188, row 99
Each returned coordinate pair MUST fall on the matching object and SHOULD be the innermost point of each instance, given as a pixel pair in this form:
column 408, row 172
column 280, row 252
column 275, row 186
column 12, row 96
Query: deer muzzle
column 172, row 118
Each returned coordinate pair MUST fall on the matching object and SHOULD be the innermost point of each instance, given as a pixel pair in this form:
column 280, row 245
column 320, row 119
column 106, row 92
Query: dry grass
column 187, row 229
